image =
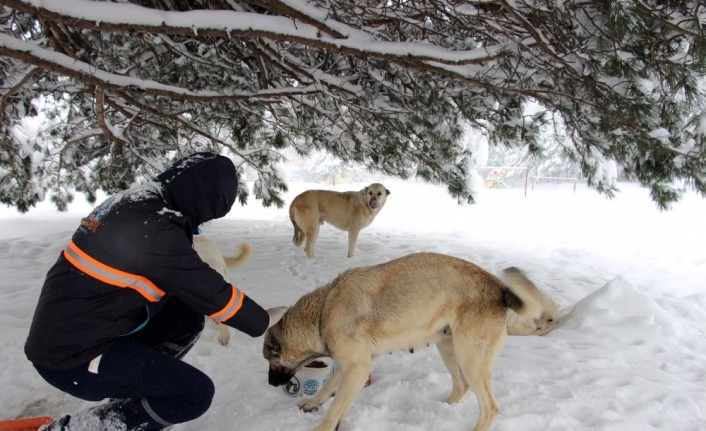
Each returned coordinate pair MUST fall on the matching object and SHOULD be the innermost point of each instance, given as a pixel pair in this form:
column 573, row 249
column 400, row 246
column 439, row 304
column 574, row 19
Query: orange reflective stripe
column 233, row 306
column 112, row 276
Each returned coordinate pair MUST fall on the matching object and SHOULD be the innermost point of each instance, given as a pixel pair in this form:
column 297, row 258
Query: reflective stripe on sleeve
column 112, row 276
column 236, row 301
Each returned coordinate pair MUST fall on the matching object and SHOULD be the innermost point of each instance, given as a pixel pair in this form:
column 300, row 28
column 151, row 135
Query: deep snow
column 630, row 357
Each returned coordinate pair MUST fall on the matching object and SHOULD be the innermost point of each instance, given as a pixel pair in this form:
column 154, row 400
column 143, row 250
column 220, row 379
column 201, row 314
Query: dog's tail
column 521, row 295
column 298, row 233
column 242, row 256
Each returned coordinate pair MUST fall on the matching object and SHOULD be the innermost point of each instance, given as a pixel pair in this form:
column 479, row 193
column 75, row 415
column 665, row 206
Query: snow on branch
column 128, row 85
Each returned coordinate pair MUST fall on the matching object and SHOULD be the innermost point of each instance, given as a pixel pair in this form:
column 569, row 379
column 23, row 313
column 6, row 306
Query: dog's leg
column 311, row 232
column 356, row 364
column 459, row 386
column 352, row 240
column 223, row 334
column 298, row 238
column 475, row 351
column 329, row 389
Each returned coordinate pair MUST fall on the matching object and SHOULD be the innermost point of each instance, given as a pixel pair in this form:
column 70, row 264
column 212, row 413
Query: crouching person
column 126, row 301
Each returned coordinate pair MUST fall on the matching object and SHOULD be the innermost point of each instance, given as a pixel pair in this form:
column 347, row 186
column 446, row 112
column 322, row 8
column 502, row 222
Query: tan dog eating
column 403, row 304
column 348, row 211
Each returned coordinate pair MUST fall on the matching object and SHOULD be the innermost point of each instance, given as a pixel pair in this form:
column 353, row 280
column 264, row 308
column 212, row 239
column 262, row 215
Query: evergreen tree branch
column 391, row 85
column 305, row 16
column 59, row 63
column 20, row 82
column 256, row 28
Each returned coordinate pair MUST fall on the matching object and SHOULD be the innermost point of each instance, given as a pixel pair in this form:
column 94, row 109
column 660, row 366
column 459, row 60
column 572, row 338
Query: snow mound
column 616, row 304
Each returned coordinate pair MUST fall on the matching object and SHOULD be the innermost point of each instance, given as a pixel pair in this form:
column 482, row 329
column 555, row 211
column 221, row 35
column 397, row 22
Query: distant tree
column 554, row 156
column 127, row 86
column 558, row 158
column 324, row 167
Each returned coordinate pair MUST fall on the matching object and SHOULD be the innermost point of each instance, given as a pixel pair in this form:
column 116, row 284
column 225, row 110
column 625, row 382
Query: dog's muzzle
column 278, row 377
column 373, row 203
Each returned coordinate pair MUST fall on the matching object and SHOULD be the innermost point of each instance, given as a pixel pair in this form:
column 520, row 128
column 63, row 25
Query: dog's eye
column 273, row 347
column 550, row 320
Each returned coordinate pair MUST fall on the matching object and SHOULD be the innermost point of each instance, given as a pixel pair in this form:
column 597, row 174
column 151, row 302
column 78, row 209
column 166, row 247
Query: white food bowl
column 309, row 380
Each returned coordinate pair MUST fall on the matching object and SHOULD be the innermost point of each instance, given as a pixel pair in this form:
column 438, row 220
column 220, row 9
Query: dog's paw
column 223, row 334
column 309, row 406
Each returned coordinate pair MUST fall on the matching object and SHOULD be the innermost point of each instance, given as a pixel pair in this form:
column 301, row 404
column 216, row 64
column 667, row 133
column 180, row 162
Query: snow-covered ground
column 632, row 356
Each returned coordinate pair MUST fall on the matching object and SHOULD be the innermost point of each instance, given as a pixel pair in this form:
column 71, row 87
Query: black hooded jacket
column 129, row 254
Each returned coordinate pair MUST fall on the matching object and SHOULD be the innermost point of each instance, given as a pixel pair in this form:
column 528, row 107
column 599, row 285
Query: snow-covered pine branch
column 391, row 85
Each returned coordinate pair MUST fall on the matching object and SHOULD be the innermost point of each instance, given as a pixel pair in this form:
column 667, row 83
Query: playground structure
column 495, row 177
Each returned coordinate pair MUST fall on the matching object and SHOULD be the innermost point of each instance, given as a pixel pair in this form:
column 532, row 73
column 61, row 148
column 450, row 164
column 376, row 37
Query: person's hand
column 275, row 314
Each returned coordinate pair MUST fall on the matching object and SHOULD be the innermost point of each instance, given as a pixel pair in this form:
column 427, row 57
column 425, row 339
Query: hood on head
column 203, row 186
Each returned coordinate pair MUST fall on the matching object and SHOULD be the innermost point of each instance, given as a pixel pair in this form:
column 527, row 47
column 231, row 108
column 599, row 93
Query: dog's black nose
column 278, row 377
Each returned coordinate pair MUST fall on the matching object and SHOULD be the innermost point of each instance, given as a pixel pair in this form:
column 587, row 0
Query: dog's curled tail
column 298, row 233
column 242, row 256
column 521, row 295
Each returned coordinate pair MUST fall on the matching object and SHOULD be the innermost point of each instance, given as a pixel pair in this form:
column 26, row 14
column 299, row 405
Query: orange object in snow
column 24, row 424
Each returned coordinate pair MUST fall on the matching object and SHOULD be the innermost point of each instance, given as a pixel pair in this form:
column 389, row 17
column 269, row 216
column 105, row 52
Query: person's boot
column 93, row 419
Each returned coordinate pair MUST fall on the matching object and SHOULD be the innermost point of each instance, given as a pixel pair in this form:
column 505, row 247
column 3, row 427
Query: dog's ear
column 388, row 191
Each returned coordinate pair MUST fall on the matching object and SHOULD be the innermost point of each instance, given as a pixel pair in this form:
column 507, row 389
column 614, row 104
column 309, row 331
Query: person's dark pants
column 149, row 387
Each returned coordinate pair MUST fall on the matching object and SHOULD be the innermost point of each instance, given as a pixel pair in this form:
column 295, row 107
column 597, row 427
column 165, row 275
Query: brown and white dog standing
column 403, row 304
column 348, row 211
column 209, row 252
